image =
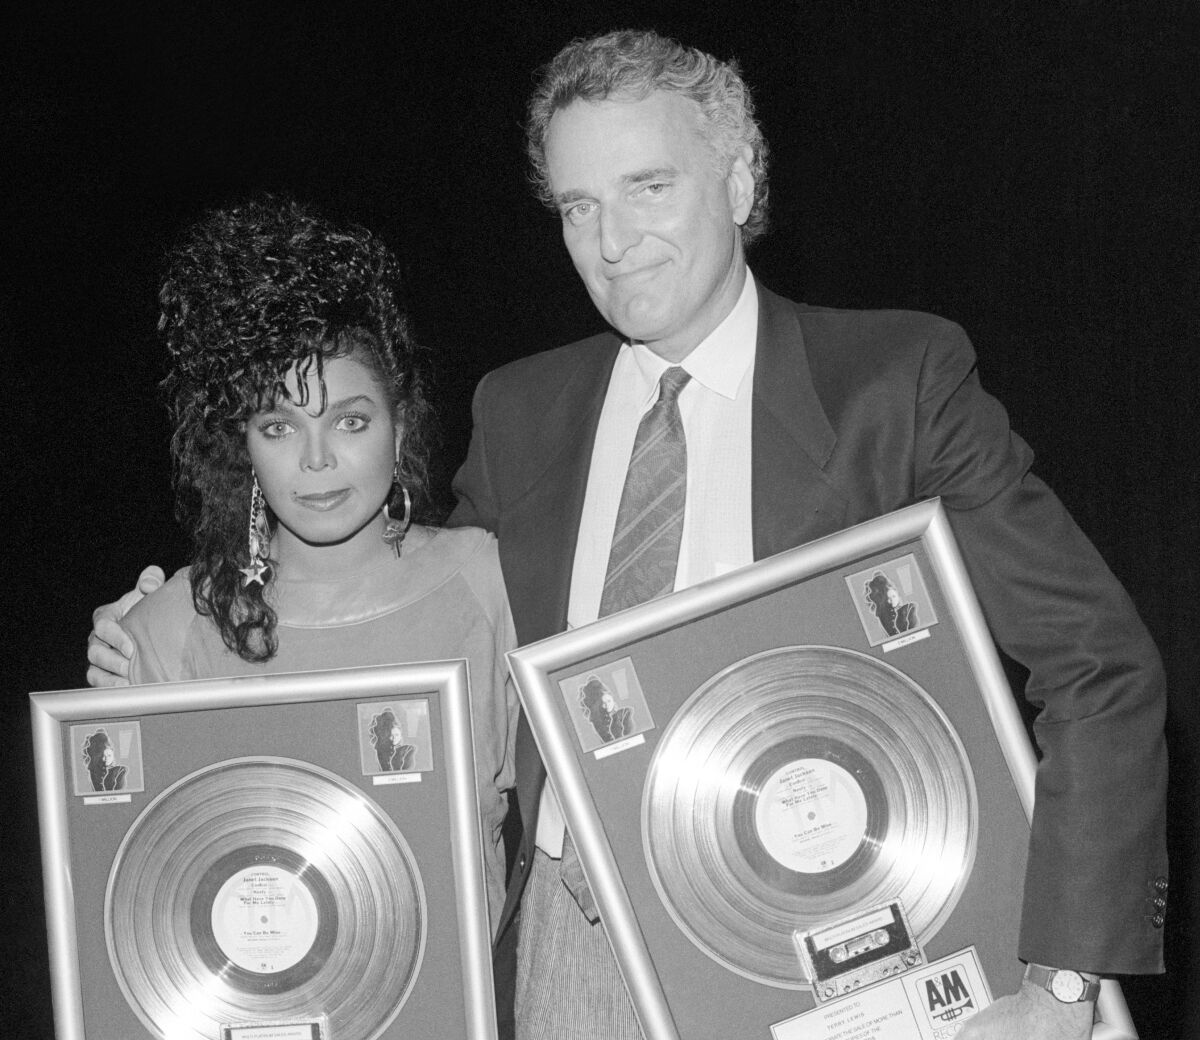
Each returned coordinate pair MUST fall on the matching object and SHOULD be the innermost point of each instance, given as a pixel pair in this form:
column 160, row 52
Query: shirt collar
column 721, row 360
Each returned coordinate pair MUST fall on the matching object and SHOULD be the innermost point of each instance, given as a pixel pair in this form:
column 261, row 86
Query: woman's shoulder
column 166, row 603
column 472, row 555
column 159, row 625
column 460, row 548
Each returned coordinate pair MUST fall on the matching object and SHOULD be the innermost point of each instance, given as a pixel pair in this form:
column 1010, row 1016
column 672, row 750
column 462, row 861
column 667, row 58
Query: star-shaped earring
column 254, row 572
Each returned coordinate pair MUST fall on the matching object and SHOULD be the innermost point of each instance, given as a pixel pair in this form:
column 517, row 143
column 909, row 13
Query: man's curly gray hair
column 633, row 64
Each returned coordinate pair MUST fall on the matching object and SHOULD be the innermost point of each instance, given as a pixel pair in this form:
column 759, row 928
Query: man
column 798, row 421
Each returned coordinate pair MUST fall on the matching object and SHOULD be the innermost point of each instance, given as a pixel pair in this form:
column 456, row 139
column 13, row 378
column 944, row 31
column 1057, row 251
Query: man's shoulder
column 893, row 325
column 853, row 344
column 553, row 368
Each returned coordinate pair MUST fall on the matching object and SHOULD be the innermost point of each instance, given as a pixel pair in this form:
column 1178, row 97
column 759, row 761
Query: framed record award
column 286, row 857
column 800, row 793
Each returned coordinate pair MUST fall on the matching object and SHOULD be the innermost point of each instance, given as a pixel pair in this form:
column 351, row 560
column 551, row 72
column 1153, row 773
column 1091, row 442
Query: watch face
column 1067, row 986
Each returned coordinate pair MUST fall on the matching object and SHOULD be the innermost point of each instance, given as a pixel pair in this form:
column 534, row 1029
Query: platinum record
column 796, row 788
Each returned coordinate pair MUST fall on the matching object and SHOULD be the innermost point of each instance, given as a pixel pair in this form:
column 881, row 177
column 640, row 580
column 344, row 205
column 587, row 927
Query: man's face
column 651, row 224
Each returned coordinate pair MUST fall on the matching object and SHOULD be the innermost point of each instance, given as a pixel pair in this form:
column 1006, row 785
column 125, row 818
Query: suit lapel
column 537, row 549
column 540, row 528
column 791, row 438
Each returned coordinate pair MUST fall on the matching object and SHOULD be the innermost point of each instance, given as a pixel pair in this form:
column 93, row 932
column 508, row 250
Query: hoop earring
column 258, row 538
column 395, row 530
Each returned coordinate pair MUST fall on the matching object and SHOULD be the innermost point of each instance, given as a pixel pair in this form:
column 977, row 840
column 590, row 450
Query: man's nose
column 618, row 232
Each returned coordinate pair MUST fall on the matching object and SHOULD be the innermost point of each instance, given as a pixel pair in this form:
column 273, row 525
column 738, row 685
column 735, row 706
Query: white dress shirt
column 715, row 407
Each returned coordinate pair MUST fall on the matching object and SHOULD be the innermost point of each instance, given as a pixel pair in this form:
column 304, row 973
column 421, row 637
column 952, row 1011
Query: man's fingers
column 109, row 645
column 122, row 606
column 98, row 677
column 150, row 579
column 106, row 666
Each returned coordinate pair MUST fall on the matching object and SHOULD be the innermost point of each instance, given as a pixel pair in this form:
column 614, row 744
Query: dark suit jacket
column 855, row 414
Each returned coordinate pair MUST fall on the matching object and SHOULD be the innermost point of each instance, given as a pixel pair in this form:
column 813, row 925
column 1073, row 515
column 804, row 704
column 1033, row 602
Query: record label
column 811, row 815
column 265, row 919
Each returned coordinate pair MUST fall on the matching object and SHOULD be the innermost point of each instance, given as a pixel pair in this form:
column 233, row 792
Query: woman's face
column 108, row 757
column 397, row 734
column 326, row 473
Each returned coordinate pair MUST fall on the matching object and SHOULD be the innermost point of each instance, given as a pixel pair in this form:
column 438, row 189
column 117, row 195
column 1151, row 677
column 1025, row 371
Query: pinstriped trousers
column 568, row 983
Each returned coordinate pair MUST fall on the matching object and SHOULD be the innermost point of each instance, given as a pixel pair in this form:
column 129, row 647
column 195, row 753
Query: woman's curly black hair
column 251, row 291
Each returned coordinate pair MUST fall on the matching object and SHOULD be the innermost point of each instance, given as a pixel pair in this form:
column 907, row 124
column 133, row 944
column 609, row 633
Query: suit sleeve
column 475, row 504
column 1097, row 855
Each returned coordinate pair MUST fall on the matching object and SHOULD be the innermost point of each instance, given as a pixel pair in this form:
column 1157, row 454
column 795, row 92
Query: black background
column 1025, row 169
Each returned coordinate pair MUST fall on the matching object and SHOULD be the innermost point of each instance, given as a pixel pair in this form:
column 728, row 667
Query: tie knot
column 673, row 380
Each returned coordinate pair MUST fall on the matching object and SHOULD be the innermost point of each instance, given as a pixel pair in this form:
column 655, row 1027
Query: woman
column 300, row 433
column 387, row 738
column 100, row 759
column 599, row 707
column 889, row 608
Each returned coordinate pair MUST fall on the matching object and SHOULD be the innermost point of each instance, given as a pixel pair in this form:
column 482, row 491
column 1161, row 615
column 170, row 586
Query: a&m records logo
column 949, row 994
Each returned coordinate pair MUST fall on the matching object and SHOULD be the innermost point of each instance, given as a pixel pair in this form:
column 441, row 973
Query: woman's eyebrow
column 346, row 402
column 286, row 404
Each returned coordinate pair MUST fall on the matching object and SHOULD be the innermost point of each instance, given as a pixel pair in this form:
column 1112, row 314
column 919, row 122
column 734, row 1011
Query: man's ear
column 740, row 185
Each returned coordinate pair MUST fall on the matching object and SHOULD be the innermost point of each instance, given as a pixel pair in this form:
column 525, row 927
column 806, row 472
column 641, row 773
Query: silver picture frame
column 268, row 715
column 676, row 991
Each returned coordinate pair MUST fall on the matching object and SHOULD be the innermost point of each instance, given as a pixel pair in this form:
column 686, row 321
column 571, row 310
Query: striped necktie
column 646, row 540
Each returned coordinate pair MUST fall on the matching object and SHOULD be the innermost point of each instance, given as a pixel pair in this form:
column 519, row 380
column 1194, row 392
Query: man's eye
column 578, row 213
column 655, row 188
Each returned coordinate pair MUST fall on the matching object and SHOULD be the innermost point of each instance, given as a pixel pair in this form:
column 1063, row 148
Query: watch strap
column 1043, row 977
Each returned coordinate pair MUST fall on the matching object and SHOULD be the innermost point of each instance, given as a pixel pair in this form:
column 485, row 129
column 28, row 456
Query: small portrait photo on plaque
column 107, row 759
column 893, row 603
column 393, row 737
column 607, row 705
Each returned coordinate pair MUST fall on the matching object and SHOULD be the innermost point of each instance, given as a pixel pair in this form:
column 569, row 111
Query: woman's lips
column 324, row 501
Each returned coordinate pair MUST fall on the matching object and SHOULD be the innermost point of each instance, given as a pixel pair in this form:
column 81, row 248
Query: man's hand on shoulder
column 109, row 647
column 1030, row 1014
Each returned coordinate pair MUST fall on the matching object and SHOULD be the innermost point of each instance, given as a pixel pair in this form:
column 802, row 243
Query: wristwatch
column 1068, row 987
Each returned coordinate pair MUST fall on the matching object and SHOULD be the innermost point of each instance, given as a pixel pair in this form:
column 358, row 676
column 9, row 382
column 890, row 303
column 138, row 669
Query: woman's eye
column 353, row 423
column 275, row 428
